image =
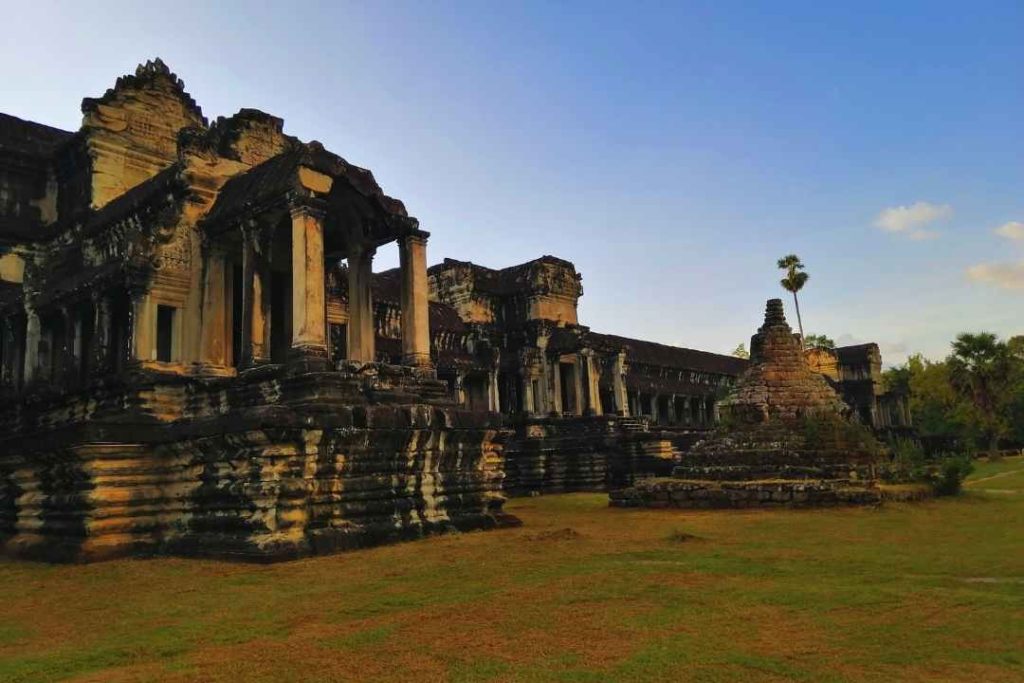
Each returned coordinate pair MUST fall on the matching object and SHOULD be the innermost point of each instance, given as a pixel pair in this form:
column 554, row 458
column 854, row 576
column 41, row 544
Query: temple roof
column 275, row 177
column 166, row 186
column 663, row 355
column 502, row 281
column 154, row 73
column 28, row 138
column 856, row 353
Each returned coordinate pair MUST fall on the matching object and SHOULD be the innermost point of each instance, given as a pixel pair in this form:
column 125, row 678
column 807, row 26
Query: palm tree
column 979, row 370
column 793, row 282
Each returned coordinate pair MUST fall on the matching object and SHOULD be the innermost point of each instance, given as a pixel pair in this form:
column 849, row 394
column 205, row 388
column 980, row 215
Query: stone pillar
column 309, row 312
column 68, row 351
column 33, row 332
column 555, row 380
column 593, row 384
column 493, row 394
column 415, row 311
column 143, row 326
column 255, row 300
column 529, row 407
column 460, row 388
column 672, row 417
column 654, row 409
column 7, row 352
column 361, row 328
column 577, row 381
column 619, row 394
column 101, row 342
column 542, row 406
column 214, row 329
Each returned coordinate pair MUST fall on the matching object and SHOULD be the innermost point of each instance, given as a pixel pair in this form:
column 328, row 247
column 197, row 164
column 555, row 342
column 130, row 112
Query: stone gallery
column 198, row 358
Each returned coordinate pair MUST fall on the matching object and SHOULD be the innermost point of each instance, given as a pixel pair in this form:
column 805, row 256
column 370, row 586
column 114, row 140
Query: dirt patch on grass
column 555, row 535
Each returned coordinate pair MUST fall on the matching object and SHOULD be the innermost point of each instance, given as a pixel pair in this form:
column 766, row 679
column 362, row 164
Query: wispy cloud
column 1014, row 230
column 911, row 220
column 1003, row 275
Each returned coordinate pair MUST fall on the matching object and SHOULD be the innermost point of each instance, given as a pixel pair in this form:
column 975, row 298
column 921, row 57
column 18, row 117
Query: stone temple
column 785, row 437
column 199, row 359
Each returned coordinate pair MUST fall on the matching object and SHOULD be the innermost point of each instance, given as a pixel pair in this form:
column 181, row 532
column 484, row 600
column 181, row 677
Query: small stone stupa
column 785, row 437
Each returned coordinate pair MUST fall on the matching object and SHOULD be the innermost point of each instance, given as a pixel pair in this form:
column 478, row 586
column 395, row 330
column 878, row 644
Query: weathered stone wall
column 267, row 469
column 677, row 493
column 581, row 454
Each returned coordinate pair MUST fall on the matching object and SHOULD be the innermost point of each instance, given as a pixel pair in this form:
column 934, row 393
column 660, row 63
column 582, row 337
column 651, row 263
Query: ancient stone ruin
column 784, row 437
column 198, row 358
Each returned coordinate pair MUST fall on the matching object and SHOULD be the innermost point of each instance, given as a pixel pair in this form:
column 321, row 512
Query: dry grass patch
column 582, row 592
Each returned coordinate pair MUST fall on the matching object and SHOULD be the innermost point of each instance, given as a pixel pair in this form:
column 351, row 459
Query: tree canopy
column 973, row 399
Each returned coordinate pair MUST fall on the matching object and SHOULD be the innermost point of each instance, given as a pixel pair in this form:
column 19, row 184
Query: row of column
column 696, row 410
column 79, row 338
column 309, row 324
column 544, row 392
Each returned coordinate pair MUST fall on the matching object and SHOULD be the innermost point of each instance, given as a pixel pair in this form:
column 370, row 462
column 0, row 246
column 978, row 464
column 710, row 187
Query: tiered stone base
column 690, row 493
column 556, row 455
column 264, row 468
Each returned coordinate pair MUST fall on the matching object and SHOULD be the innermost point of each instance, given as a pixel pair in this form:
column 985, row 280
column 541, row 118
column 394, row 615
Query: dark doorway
column 236, row 315
column 165, row 322
column 567, row 375
column 280, row 316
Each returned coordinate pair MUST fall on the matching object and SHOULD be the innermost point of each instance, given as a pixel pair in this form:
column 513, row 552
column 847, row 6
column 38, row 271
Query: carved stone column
column 555, row 381
column 415, row 306
column 672, row 417
column 101, row 327
column 529, row 406
column 577, row 379
column 361, row 328
column 309, row 312
column 214, row 330
column 67, row 354
column 655, row 418
column 33, row 331
column 255, row 299
column 593, row 384
column 7, row 352
column 460, row 388
column 619, row 395
column 143, row 326
column 493, row 394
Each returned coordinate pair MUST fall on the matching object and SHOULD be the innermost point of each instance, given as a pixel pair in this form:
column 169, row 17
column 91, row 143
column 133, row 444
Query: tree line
column 971, row 401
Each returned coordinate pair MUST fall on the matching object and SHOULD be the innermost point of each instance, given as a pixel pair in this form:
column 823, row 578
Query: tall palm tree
column 980, row 370
column 793, row 282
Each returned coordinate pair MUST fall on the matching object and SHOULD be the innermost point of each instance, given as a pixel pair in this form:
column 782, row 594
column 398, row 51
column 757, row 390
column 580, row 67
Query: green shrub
column 908, row 462
column 948, row 477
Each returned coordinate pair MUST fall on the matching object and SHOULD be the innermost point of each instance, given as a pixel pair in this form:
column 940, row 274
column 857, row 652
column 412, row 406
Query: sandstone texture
column 785, row 437
column 197, row 356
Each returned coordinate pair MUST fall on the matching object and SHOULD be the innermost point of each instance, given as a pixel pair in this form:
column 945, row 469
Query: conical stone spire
column 781, row 420
column 779, row 384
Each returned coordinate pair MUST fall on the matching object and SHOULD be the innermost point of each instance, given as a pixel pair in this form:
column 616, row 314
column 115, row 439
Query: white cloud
column 910, row 220
column 1003, row 275
column 1014, row 230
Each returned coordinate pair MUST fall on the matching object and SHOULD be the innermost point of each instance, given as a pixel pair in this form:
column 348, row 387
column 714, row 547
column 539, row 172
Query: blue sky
column 673, row 151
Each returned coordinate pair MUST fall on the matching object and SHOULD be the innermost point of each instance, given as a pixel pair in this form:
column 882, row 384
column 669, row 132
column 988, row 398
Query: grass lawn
column 924, row 591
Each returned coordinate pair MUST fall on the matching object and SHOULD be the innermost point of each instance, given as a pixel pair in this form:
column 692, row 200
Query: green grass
column 911, row 592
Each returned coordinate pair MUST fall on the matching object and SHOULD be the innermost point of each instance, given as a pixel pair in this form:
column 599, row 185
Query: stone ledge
column 696, row 493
